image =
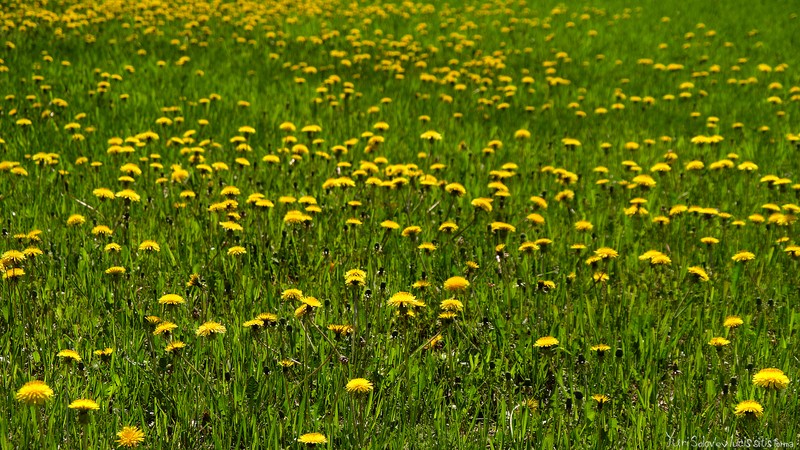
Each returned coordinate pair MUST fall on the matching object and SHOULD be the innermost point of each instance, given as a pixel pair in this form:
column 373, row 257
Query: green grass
column 665, row 383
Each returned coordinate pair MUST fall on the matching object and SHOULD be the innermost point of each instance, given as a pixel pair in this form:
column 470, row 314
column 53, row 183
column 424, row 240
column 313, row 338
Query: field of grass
column 466, row 225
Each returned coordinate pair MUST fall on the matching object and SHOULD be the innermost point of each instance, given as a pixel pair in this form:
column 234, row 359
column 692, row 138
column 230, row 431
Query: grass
column 81, row 81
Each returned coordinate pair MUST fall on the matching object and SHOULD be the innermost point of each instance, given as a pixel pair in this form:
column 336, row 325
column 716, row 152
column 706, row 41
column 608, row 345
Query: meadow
column 399, row 225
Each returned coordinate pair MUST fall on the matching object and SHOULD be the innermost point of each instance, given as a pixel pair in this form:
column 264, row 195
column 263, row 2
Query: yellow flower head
column 732, row 322
column 34, row 392
column 84, row 405
column 749, row 408
column 456, row 284
column 210, row 329
column 312, row 439
column 718, row 342
column 292, row 294
column 69, row 355
column 771, row 378
column 404, row 299
column 359, row 386
column 171, row 299
column 743, row 257
column 130, row 437
column 546, row 342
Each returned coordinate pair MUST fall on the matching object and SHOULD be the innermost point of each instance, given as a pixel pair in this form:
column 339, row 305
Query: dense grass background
column 166, row 59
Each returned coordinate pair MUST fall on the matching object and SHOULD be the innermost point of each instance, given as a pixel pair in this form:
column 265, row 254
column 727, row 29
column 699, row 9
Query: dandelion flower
column 732, row 322
column 390, row 225
column 502, row 227
column 546, row 342
column 606, row 253
column 404, row 299
column 601, row 349
column 254, row 324
column 601, row 399
column 699, row 273
column 292, row 294
column 231, row 226
column 718, row 342
column 174, row 347
column 69, row 355
column 115, row 270
column 83, row 405
column 312, row 439
column 411, row 231
column 749, row 408
column 341, row 330
column 164, row 328
column 743, row 257
column 359, row 386
column 171, row 299
column 130, row 437
column 149, row 246
column 34, row 392
column 456, row 284
column 452, row 305
column 771, row 378
column 237, row 250
column 75, row 219
column 484, row 204
column 210, row 329
column 431, row 136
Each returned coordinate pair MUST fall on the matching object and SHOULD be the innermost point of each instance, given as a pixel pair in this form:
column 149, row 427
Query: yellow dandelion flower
column 210, row 329
column 69, row 355
column 171, row 299
column 749, row 408
column 359, row 386
column 84, row 405
column 771, row 378
column 313, row 439
column 456, row 284
column 292, row 294
column 149, row 246
column 546, row 342
column 718, row 342
column 732, row 322
column 75, row 219
column 34, row 392
column 130, row 437
column 743, row 256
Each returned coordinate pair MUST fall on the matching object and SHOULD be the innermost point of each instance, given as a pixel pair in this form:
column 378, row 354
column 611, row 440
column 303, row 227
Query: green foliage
column 188, row 99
